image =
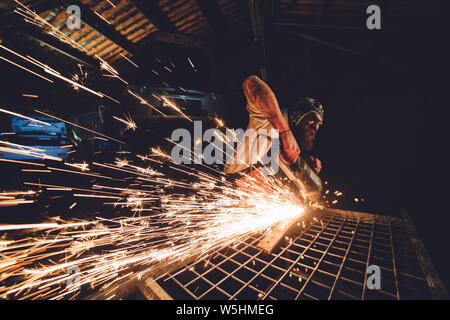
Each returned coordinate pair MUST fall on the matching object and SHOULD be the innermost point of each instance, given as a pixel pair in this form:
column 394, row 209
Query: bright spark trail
column 166, row 219
column 166, row 228
column 128, row 121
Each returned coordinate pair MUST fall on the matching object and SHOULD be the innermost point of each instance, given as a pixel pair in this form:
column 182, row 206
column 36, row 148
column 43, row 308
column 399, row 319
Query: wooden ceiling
column 114, row 27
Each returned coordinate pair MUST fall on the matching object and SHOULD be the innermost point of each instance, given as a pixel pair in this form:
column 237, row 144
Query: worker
column 297, row 128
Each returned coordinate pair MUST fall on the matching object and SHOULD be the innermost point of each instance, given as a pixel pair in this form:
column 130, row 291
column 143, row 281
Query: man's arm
column 261, row 96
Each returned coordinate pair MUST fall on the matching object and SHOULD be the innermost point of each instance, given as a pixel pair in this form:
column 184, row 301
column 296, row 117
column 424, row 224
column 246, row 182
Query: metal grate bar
column 285, row 271
column 202, row 276
column 292, row 265
column 326, row 258
column 342, row 265
column 222, row 270
column 394, row 264
column 326, row 251
column 368, row 260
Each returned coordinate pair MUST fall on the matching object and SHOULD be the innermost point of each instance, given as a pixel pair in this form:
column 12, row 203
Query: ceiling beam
column 318, row 26
column 87, row 15
column 154, row 13
column 9, row 16
column 258, row 12
column 48, row 41
column 343, row 49
column 325, row 43
column 44, row 5
column 276, row 9
column 174, row 38
column 213, row 15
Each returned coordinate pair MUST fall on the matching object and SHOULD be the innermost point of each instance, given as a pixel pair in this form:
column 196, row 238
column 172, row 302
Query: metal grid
column 323, row 258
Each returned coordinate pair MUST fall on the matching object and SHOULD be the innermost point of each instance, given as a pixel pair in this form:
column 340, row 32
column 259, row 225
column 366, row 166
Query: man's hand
column 289, row 147
column 314, row 163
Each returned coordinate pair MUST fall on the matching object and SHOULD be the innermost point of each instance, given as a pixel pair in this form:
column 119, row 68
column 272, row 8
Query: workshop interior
column 132, row 165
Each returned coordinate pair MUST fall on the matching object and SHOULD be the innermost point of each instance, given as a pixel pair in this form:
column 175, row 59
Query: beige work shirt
column 256, row 145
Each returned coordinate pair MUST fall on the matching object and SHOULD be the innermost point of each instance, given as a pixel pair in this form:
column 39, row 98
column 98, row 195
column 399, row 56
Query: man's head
column 305, row 119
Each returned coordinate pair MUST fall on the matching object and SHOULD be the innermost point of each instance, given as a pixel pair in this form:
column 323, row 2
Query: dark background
column 385, row 134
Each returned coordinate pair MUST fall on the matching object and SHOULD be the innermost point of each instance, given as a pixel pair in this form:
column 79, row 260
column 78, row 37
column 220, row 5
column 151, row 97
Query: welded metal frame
column 325, row 257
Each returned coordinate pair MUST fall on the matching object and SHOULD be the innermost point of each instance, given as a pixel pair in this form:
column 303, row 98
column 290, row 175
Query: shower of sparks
column 80, row 78
column 159, row 153
column 24, row 117
column 166, row 228
column 58, row 75
column 129, row 60
column 101, row 17
column 82, row 166
column 78, row 126
column 128, row 121
column 33, row 18
column 14, row 198
column 26, row 150
column 145, row 102
column 172, row 105
column 111, row 71
column 219, row 122
column 172, row 220
column 18, row 193
column 121, row 162
column 22, row 162
column 26, row 69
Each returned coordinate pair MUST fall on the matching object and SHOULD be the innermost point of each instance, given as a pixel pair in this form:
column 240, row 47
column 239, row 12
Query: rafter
column 156, row 16
column 53, row 44
column 213, row 15
column 102, row 26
